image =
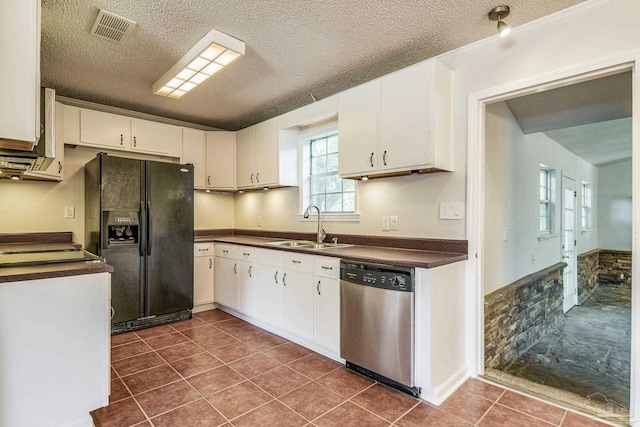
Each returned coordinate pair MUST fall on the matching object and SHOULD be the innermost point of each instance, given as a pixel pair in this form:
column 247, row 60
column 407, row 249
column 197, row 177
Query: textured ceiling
column 293, row 48
column 592, row 119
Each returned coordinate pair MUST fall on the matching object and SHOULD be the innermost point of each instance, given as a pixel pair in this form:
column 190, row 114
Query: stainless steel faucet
column 321, row 233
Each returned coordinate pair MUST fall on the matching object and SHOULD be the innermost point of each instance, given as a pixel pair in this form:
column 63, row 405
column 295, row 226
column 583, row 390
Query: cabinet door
column 194, row 151
column 246, row 296
column 20, row 71
column 297, row 303
column 226, row 288
column 105, row 130
column 405, row 128
column 202, row 280
column 221, row 160
column 326, row 311
column 245, row 152
column 268, row 294
column 358, row 129
column 153, row 137
column 266, row 153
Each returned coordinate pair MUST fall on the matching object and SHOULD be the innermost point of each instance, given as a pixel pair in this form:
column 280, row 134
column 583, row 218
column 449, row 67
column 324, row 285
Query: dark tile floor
column 589, row 354
column 217, row 370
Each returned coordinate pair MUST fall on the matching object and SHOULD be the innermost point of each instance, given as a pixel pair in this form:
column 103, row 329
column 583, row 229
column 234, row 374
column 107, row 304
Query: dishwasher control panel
column 378, row 276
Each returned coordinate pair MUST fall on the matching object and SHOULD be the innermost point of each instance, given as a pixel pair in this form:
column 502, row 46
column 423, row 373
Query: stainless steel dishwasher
column 377, row 322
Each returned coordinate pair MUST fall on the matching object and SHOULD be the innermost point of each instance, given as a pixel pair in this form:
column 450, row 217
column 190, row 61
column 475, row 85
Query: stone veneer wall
column 588, row 264
column 613, row 264
column 518, row 315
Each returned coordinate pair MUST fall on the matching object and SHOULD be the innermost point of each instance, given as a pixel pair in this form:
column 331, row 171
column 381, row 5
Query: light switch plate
column 385, row 223
column 69, row 212
column 394, row 222
column 451, row 210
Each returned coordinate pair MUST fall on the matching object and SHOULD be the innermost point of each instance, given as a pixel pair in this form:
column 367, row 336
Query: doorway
column 569, row 242
column 540, row 278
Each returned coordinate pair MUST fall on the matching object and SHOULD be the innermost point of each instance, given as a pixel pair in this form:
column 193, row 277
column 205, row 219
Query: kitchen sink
column 307, row 244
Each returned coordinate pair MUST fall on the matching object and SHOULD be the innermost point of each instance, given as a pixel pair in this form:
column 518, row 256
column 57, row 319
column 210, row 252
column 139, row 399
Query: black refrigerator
column 139, row 217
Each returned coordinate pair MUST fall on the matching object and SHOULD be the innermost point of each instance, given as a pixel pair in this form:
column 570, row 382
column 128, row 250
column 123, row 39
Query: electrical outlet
column 385, row 223
column 259, row 221
column 69, row 212
column 393, row 220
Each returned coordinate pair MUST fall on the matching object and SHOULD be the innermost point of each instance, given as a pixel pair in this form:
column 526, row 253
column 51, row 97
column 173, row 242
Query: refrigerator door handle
column 148, row 228
column 140, row 216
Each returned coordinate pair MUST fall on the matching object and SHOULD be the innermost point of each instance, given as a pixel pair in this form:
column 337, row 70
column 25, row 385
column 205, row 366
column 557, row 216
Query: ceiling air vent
column 112, row 27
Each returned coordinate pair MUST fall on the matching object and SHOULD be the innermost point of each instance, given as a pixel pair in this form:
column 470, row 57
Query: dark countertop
column 377, row 254
column 38, row 247
column 49, row 271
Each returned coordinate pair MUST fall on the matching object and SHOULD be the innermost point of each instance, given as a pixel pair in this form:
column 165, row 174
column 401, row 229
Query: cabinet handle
column 59, row 167
column 276, row 277
column 245, row 254
column 235, row 268
column 324, row 267
column 202, row 250
column 318, row 287
column 224, row 251
column 250, row 271
column 258, row 177
column 284, row 279
column 113, row 312
column 384, row 158
column 209, row 180
column 371, row 159
column 210, row 263
column 135, row 142
column 252, row 178
column 295, row 261
column 121, row 139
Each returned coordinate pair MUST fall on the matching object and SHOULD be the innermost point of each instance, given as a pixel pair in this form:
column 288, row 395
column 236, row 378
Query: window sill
column 331, row 217
column 544, row 237
column 588, row 230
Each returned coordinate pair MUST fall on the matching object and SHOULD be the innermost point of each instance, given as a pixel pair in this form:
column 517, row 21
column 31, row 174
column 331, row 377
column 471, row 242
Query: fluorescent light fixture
column 213, row 52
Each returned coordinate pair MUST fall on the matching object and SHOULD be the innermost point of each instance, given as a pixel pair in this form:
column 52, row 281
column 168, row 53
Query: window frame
column 546, row 201
column 587, row 206
column 306, row 135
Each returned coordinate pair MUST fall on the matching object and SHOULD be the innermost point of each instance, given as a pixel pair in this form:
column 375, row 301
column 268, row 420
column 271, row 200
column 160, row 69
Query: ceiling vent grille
column 112, row 27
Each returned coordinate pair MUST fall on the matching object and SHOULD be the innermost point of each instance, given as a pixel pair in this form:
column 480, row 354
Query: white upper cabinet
column 358, row 129
column 398, row 123
column 20, row 71
column 105, row 130
column 55, row 112
column 245, row 150
column 221, row 160
column 194, row 151
column 153, row 137
column 266, row 156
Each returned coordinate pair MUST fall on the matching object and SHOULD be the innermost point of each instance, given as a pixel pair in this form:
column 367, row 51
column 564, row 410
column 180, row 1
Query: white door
column 225, row 282
column 570, row 282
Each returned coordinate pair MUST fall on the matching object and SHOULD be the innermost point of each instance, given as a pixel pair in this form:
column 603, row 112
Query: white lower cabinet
column 246, row 294
column 297, row 294
column 203, row 274
column 225, row 272
column 326, row 303
column 268, row 286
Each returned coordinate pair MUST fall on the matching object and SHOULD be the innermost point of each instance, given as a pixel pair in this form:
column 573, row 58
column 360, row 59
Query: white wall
column 415, row 199
column 614, row 204
column 512, row 199
column 31, row 206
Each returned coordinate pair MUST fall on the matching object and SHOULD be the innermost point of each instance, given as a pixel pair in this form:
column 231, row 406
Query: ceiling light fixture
column 211, row 54
column 364, row 178
column 498, row 13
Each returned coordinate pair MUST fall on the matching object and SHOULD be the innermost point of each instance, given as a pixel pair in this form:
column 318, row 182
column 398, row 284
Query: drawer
column 226, row 251
column 203, row 249
column 327, row 267
column 245, row 253
column 297, row 262
column 268, row 257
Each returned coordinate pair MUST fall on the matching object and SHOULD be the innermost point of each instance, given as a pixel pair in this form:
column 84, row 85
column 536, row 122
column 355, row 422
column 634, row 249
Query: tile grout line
column 488, row 409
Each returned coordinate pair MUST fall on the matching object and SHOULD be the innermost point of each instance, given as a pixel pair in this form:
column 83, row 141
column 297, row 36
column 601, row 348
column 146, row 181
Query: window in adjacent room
column 586, row 206
column 545, row 201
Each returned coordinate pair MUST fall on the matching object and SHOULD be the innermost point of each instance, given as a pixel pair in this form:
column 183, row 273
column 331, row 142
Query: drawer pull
column 324, row 267
column 245, row 254
column 224, row 251
column 203, row 250
column 295, row 261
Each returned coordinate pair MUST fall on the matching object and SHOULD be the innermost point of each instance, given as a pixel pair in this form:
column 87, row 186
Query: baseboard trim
column 439, row 394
